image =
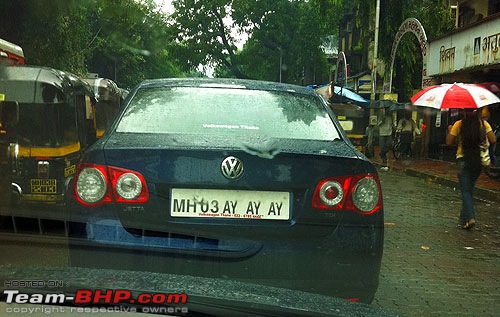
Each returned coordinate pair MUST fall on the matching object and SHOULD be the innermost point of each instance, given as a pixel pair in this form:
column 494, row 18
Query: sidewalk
column 441, row 172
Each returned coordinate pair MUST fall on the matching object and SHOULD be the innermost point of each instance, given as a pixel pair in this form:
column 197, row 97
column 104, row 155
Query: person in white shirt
column 407, row 128
column 385, row 127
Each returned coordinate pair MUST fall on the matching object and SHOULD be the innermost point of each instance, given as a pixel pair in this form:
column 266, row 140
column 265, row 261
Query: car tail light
column 128, row 186
column 358, row 193
column 331, row 193
column 365, row 194
column 97, row 184
column 91, row 185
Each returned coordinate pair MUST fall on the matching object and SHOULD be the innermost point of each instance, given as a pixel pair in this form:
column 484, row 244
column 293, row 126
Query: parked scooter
column 494, row 170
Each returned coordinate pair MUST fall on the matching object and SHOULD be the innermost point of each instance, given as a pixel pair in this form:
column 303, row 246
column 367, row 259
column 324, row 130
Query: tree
column 280, row 32
column 124, row 40
column 204, row 33
column 433, row 15
column 132, row 42
column 51, row 33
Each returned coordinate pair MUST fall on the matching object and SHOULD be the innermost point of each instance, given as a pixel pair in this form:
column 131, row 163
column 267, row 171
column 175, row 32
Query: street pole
column 374, row 77
column 375, row 51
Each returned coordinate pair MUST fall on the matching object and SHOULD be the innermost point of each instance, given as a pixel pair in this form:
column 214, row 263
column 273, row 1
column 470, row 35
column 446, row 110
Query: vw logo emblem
column 232, row 167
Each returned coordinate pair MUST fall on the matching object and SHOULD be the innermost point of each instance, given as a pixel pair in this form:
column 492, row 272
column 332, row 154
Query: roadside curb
column 483, row 193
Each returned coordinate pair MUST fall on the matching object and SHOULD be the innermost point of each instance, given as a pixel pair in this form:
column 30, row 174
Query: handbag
column 485, row 154
column 485, row 150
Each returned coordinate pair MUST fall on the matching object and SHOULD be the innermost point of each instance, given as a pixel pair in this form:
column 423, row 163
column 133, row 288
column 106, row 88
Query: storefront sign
column 447, row 59
column 472, row 47
column 490, row 48
column 365, row 83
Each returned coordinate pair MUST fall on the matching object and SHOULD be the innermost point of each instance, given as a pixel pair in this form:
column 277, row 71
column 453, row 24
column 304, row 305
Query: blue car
column 232, row 179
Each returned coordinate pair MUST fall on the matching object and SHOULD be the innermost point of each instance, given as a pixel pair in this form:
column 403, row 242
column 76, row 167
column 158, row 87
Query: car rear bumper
column 344, row 264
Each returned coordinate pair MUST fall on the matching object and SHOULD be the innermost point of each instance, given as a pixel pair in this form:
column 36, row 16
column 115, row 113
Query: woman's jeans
column 467, row 179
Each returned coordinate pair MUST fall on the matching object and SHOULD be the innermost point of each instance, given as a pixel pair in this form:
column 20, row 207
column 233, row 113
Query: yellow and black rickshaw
column 353, row 118
column 109, row 98
column 56, row 123
column 9, row 115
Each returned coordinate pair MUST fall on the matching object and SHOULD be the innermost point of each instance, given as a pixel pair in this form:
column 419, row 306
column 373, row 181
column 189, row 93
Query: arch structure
column 414, row 26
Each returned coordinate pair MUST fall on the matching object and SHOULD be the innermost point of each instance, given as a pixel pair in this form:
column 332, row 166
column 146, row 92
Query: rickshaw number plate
column 43, row 186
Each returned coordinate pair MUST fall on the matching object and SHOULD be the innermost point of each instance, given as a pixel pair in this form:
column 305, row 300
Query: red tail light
column 91, row 185
column 358, row 193
column 128, row 186
column 97, row 184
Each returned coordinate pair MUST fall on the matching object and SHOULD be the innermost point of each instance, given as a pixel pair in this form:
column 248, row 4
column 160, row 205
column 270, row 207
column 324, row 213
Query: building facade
column 469, row 54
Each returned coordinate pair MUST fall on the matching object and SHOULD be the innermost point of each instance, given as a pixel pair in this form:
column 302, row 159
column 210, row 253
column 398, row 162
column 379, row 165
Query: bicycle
column 396, row 146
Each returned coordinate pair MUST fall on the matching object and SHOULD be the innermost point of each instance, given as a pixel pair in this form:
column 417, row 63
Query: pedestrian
column 469, row 134
column 385, row 129
column 407, row 128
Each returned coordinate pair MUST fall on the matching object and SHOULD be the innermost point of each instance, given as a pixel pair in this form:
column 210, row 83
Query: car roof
column 227, row 83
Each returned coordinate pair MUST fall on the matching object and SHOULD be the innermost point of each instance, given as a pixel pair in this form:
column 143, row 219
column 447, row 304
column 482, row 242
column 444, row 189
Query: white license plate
column 233, row 204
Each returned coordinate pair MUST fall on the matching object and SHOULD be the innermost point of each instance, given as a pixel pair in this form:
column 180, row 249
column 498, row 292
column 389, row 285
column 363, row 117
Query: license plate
column 232, row 204
column 43, row 186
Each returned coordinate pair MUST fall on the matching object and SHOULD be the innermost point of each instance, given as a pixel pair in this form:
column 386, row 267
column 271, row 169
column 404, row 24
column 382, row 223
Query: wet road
column 430, row 267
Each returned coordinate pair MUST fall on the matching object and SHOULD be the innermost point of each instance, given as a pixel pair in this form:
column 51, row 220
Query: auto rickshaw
column 354, row 120
column 10, row 53
column 9, row 115
column 109, row 98
column 56, row 123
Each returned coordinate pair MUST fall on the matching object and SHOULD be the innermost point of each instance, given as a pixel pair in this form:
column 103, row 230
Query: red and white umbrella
column 447, row 96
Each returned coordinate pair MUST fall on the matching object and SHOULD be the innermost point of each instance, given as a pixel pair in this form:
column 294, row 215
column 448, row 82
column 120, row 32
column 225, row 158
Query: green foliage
column 124, row 40
column 52, row 33
column 282, row 32
column 131, row 40
column 432, row 14
column 203, row 33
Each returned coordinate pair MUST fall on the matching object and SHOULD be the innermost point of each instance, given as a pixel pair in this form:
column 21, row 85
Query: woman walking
column 470, row 133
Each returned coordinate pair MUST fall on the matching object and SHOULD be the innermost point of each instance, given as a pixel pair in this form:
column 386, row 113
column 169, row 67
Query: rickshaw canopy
column 32, row 84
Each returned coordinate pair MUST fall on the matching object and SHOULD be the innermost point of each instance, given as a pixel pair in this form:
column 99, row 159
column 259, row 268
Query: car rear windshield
column 227, row 111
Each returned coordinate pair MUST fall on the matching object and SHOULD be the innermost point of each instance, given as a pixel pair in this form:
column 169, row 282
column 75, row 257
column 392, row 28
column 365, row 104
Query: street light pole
column 375, row 51
column 369, row 144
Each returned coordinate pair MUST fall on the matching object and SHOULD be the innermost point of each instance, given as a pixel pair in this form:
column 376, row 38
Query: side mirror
column 9, row 112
